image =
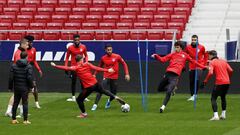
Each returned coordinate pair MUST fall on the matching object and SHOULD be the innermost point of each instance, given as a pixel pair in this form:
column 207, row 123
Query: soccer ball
column 125, row 108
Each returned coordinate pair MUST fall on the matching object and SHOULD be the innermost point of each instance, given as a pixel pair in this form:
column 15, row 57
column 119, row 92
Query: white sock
column 163, row 107
column 21, row 109
column 37, row 103
column 94, row 104
column 224, row 113
column 73, row 97
column 9, row 109
column 215, row 114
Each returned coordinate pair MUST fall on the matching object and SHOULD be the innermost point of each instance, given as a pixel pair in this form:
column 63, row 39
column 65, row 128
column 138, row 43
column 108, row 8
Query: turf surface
column 58, row 117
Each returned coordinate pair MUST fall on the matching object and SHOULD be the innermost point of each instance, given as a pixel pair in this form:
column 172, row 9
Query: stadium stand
column 95, row 14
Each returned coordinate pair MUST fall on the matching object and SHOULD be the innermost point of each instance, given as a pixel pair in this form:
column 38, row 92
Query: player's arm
column 205, row 54
column 10, row 80
column 85, row 53
column 230, row 70
column 72, row 68
column 36, row 63
column 67, row 57
column 210, row 73
column 195, row 62
column 99, row 68
column 162, row 59
column 125, row 67
column 100, row 65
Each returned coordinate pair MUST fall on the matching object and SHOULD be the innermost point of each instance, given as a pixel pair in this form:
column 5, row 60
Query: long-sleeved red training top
column 177, row 61
column 202, row 56
column 83, row 71
column 32, row 58
column 73, row 51
column 221, row 69
column 112, row 61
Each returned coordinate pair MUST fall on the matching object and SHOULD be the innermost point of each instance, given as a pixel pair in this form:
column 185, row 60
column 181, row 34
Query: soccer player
column 32, row 60
column 110, row 60
column 173, row 71
column 24, row 44
column 89, row 82
column 223, row 72
column 73, row 50
column 202, row 59
column 21, row 81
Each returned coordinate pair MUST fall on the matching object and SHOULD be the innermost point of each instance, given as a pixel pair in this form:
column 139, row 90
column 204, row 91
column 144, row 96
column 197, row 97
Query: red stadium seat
column 3, row 3
column 59, row 18
column 3, row 35
column 145, row 18
column 16, row 35
column 155, row 35
column 141, row 25
column 66, row 3
column 42, row 18
column 124, row 25
column 80, row 10
column 24, row 18
column 7, row 18
column 63, row 10
column 49, row 3
column 165, row 10
column 184, row 10
column 117, row 3
column 67, row 35
column 72, row 26
column 111, row 18
column 5, row 26
column 37, row 26
column 127, row 18
column 16, row 3
column 36, row 35
column 151, row 3
column 51, row 35
column 121, row 35
column 45, row 10
column 169, row 35
column 161, row 18
column 103, row 35
column 93, row 18
column 86, row 35
column 97, row 10
column 176, row 25
column 54, row 26
column 134, row 3
column 83, row 3
column 32, row 3
column 101, row 3
column 168, row 3
column 114, row 10
column 107, row 26
column 185, row 3
column 76, row 18
column 179, row 18
column 137, row 35
column 131, row 10
column 20, row 26
column 90, row 25
column 158, row 25
column 10, row 10
column 148, row 10
column 28, row 10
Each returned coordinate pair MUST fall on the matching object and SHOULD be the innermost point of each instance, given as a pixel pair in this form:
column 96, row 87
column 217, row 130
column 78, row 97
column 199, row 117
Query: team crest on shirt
column 113, row 59
column 183, row 55
column 81, row 50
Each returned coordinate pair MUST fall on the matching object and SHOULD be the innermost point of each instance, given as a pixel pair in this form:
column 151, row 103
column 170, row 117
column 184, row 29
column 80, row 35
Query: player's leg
column 80, row 101
column 24, row 96
column 172, row 83
column 191, row 84
column 17, row 98
column 10, row 106
column 73, row 86
column 35, row 94
column 113, row 90
column 214, row 96
column 99, row 95
column 224, row 91
column 162, row 84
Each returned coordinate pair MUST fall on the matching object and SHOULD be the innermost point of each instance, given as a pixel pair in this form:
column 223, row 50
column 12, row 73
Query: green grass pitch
column 58, row 117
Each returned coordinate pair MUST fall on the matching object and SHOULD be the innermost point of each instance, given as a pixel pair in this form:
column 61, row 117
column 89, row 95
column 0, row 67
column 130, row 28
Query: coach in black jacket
column 21, row 81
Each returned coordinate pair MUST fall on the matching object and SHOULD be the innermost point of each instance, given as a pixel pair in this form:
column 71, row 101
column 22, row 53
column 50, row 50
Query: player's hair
column 23, row 41
column 179, row 43
column 195, row 36
column 79, row 58
column 213, row 53
column 107, row 45
column 76, row 36
column 30, row 38
column 23, row 55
